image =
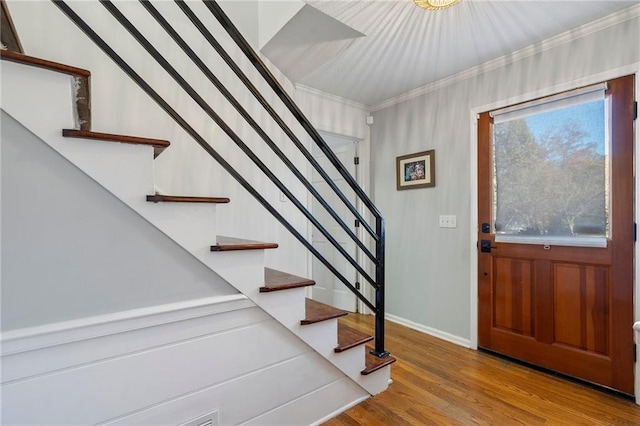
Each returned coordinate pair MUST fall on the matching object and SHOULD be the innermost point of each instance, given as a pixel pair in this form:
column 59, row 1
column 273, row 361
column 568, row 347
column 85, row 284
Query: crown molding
column 558, row 40
column 331, row 97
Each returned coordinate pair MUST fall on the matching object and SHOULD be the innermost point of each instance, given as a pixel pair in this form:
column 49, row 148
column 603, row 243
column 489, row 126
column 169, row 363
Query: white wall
column 333, row 114
column 119, row 106
column 429, row 269
column 70, row 249
column 246, row 17
column 272, row 16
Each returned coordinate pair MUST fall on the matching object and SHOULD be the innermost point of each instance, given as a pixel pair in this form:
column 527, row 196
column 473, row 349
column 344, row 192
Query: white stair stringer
column 126, row 171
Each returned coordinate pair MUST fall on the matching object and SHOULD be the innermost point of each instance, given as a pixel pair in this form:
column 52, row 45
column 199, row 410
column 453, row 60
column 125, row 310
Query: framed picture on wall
column 416, row 170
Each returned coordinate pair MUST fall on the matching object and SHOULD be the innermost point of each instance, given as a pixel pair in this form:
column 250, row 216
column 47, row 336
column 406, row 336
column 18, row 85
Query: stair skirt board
column 124, row 358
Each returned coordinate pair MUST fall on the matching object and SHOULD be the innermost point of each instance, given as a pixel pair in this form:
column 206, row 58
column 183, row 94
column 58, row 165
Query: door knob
column 485, row 246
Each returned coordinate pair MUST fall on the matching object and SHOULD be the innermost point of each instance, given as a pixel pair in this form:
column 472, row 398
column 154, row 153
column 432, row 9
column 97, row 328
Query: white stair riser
column 351, row 361
column 287, row 306
column 376, row 382
column 46, row 108
column 242, row 269
column 191, row 225
column 321, row 336
column 126, row 170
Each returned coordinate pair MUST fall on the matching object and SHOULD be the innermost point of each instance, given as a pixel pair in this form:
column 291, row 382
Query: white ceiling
column 375, row 50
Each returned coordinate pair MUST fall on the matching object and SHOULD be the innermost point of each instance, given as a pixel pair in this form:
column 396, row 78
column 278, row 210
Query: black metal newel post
column 379, row 350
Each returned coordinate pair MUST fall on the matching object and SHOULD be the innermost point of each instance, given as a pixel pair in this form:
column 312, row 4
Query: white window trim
column 582, row 95
column 578, row 241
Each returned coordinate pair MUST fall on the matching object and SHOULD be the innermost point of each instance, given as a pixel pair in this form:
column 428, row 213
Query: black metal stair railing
column 377, row 234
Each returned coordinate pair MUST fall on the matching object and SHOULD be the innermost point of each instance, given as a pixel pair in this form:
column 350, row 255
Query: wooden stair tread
column 374, row 363
column 230, row 244
column 158, row 198
column 275, row 280
column 159, row 145
column 349, row 337
column 9, row 55
column 317, row 312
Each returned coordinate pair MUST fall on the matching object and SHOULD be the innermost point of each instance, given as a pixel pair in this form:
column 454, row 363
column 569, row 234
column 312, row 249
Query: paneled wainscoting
column 168, row 364
column 439, row 383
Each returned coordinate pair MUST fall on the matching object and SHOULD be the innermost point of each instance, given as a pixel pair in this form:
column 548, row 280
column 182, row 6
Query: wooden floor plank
column 439, row 383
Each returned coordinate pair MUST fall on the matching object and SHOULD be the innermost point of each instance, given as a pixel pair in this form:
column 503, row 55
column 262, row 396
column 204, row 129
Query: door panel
column 513, row 296
column 328, row 288
column 581, row 322
column 569, row 309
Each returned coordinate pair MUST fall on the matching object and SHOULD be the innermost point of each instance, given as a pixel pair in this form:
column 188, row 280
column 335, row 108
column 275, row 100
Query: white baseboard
column 430, row 331
column 340, row 410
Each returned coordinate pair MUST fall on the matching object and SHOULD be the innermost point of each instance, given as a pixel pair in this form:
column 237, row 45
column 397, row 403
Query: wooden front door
column 561, row 302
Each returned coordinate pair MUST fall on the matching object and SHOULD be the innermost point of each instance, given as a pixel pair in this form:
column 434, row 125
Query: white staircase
column 42, row 101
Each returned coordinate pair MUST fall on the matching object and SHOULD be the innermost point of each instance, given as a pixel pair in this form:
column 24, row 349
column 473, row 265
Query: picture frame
column 416, row 170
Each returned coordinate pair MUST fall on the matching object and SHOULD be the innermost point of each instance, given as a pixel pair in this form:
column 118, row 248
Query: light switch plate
column 448, row 221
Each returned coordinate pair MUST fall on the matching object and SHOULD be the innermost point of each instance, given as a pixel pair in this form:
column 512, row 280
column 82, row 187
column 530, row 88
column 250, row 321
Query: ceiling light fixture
column 435, row 4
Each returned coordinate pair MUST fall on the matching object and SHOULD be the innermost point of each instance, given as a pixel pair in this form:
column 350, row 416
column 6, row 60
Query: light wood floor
column 439, row 383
